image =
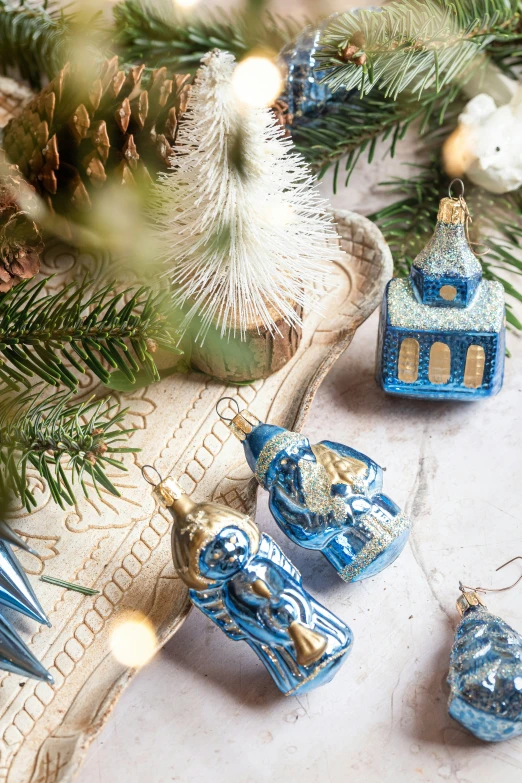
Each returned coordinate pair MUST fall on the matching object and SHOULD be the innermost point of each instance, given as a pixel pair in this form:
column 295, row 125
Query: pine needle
column 64, row 443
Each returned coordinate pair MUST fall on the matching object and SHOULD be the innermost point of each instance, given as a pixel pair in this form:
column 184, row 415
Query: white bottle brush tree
column 245, row 236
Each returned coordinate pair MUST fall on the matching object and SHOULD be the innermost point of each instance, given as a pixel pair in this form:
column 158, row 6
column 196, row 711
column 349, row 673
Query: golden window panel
column 475, row 364
column 448, row 292
column 440, row 363
column 408, row 369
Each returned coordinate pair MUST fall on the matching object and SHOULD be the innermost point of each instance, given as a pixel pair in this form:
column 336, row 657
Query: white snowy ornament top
column 488, row 143
column 239, row 222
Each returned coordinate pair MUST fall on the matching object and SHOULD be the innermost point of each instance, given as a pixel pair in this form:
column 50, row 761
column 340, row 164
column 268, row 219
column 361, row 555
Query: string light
column 257, row 81
column 133, row 640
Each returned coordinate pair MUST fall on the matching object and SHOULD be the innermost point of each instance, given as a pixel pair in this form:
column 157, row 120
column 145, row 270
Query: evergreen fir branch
column 144, row 34
column 408, row 224
column 63, row 443
column 36, row 39
column 413, row 44
column 40, row 336
column 348, row 129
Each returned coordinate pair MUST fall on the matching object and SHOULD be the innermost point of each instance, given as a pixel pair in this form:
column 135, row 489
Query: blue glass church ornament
column 244, row 583
column 326, row 497
column 442, row 330
column 485, row 675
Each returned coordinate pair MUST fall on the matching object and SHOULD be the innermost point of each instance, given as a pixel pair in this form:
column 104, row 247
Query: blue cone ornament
column 8, row 534
column 15, row 589
column 244, row 583
column 16, row 657
column 442, row 331
column 485, row 675
column 325, row 496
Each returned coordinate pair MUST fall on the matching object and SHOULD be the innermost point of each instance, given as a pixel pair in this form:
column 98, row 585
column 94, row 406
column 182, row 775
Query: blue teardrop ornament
column 485, row 676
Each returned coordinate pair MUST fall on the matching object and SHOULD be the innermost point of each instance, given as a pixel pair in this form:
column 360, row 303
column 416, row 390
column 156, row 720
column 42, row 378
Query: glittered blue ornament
column 485, row 675
column 245, row 584
column 16, row 657
column 325, row 496
column 442, row 330
column 15, row 589
column 303, row 91
column 302, row 88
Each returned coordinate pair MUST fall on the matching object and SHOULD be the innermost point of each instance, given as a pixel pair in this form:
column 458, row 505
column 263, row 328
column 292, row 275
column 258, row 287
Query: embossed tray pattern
column 121, row 546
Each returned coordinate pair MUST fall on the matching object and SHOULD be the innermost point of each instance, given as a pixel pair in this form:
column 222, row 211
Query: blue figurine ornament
column 325, row 496
column 244, row 583
column 485, row 675
column 442, row 330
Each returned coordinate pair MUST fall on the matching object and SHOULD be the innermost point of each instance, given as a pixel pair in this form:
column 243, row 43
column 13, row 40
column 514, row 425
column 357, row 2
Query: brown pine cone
column 20, row 240
column 83, row 132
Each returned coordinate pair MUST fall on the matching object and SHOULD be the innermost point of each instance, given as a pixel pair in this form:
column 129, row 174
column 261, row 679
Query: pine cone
column 74, row 137
column 282, row 115
column 20, row 240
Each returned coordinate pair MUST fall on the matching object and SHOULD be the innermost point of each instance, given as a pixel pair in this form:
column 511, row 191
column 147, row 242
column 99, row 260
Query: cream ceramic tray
column 121, row 546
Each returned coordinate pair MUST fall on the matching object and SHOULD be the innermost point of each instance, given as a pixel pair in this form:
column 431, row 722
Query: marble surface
column 204, row 708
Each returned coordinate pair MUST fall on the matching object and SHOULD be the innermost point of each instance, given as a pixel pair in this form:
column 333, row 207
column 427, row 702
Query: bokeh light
column 186, row 3
column 133, row 639
column 257, row 81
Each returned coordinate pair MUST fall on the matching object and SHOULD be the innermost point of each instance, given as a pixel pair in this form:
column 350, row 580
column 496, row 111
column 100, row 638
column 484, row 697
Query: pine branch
column 350, row 128
column 64, row 443
column 144, row 34
column 37, row 40
column 41, row 336
column 413, row 44
column 408, row 225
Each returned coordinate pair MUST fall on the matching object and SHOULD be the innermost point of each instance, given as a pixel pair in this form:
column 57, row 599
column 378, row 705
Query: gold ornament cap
column 243, row 423
column 453, row 211
column 467, row 600
column 168, row 491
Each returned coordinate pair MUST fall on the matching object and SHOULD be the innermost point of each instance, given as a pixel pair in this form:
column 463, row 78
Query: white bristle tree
column 239, row 222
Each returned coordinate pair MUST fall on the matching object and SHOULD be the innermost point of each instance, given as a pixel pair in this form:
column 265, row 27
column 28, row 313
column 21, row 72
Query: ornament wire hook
column 235, row 405
column 463, row 588
column 147, row 478
column 468, row 220
column 462, row 189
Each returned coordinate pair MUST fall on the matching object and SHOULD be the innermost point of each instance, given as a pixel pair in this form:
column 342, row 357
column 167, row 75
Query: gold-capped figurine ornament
column 246, row 585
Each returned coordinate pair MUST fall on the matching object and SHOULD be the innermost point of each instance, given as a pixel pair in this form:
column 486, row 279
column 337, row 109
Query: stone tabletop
column 204, row 708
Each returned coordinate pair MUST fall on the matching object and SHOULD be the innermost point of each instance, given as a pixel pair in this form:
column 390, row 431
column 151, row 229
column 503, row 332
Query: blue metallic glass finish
column 328, row 497
column 303, row 92
column 15, row 589
column 485, row 676
column 16, row 657
column 414, row 308
column 246, row 585
column 306, row 97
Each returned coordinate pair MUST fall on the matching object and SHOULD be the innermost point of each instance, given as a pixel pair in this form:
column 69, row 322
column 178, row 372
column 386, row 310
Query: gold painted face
column 194, row 532
column 340, row 469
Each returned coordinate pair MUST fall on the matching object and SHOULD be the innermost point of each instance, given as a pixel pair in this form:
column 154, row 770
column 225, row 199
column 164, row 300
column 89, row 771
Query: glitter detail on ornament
column 442, row 330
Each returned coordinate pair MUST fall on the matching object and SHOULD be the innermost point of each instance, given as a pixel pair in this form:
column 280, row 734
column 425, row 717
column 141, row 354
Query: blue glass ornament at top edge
column 303, row 92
